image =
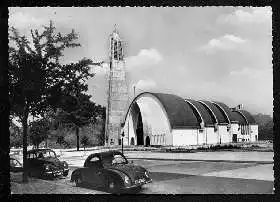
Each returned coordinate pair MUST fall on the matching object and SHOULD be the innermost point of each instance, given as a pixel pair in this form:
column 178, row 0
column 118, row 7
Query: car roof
column 109, row 153
column 106, row 153
column 38, row 150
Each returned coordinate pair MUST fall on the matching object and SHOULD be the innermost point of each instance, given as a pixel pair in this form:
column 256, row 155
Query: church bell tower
column 117, row 100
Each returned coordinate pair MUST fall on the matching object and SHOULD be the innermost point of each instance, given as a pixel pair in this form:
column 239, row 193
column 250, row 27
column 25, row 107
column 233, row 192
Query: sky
column 212, row 53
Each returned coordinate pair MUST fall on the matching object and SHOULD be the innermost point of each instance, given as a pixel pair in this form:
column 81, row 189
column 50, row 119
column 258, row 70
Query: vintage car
column 15, row 165
column 112, row 171
column 44, row 163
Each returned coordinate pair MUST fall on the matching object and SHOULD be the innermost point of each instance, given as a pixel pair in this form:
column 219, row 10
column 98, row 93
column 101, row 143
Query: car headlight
column 147, row 173
column 126, row 179
column 47, row 167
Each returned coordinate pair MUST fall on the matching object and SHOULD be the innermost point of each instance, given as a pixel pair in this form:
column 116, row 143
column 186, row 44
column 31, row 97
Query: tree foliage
column 39, row 131
column 265, row 124
column 78, row 111
column 37, row 79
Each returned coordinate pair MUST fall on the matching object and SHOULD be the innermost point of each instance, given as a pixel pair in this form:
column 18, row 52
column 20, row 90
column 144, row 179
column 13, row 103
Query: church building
column 166, row 119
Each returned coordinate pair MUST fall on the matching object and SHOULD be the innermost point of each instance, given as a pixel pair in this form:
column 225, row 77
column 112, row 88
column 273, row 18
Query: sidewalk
column 39, row 186
column 218, row 156
column 227, row 156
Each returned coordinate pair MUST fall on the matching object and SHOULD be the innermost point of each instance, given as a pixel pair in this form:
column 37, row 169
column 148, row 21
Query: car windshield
column 46, row 154
column 14, row 163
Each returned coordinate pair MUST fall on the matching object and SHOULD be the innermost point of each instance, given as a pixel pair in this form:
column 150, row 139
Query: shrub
column 85, row 141
column 255, row 146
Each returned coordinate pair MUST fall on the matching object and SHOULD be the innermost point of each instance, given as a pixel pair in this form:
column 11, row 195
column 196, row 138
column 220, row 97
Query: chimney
column 239, row 107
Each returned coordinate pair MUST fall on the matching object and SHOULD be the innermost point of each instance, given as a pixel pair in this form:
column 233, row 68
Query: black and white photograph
column 140, row 100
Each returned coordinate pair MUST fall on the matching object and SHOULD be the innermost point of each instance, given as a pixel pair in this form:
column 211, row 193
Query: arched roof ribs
column 250, row 119
column 220, row 117
column 223, row 111
column 207, row 117
column 212, row 114
column 179, row 113
column 196, row 112
column 242, row 116
column 238, row 116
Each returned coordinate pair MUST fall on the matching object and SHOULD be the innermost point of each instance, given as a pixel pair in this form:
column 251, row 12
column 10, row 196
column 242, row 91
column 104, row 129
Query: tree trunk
column 24, row 142
column 78, row 139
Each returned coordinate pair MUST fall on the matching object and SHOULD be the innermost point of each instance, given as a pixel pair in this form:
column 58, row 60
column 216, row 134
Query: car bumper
column 137, row 185
column 56, row 173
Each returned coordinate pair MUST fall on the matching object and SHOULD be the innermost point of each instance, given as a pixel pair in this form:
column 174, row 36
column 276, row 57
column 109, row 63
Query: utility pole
column 122, row 134
column 128, row 128
column 134, row 91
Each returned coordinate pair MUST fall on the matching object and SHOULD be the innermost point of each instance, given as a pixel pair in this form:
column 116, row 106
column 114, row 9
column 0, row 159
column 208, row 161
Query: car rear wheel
column 79, row 181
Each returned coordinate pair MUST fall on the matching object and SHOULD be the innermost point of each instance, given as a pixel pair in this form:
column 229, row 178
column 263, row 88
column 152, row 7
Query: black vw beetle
column 112, row 171
column 45, row 164
column 15, row 165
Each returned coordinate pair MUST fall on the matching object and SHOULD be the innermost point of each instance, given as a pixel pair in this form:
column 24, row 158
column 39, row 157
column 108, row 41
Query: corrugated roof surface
column 219, row 115
column 203, row 111
column 237, row 116
column 180, row 114
column 248, row 116
column 226, row 109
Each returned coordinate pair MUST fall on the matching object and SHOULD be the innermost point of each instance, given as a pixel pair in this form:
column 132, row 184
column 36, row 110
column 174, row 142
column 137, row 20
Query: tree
column 265, row 123
column 77, row 110
column 39, row 131
column 37, row 80
column 85, row 141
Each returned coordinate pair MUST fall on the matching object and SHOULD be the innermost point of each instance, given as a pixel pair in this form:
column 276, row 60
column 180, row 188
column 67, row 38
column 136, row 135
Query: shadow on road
column 162, row 176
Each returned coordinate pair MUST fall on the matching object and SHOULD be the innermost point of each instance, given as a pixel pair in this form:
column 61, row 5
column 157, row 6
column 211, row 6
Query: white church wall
column 211, row 136
column 222, row 133
column 129, row 131
column 201, row 138
column 234, row 130
column 147, row 129
column 183, row 137
column 240, row 136
column 254, row 133
column 155, row 121
column 225, row 136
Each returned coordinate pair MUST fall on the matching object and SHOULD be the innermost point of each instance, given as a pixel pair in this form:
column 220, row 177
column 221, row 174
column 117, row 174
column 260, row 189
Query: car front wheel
column 65, row 173
column 112, row 186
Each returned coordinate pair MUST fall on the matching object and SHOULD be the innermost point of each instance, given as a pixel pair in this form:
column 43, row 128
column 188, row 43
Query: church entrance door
column 234, row 138
column 147, row 141
column 139, row 130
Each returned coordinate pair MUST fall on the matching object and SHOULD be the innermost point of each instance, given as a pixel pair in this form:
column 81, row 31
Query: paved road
column 179, row 177
column 208, row 178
